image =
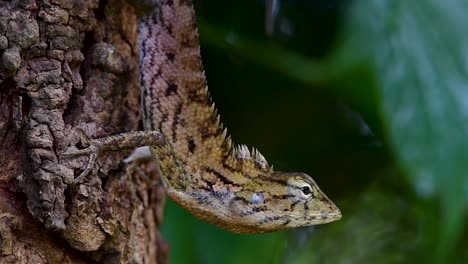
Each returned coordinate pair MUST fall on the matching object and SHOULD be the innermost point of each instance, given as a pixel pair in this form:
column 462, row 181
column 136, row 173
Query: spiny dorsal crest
column 242, row 152
column 259, row 159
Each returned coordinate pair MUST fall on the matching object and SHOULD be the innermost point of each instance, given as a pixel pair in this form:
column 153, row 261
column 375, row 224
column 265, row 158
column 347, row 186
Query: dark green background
column 370, row 97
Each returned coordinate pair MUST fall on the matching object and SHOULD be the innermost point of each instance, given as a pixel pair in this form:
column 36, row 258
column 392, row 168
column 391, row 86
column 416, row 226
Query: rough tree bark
column 68, row 67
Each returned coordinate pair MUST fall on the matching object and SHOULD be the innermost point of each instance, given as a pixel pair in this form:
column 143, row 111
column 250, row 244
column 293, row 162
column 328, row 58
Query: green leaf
column 418, row 51
column 372, row 232
column 194, row 241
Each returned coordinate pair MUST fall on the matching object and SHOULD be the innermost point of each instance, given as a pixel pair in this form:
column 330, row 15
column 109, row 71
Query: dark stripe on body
column 175, row 122
column 221, row 177
column 282, row 196
column 170, row 56
column 191, row 145
column 171, row 89
column 272, row 179
column 269, row 219
column 242, row 199
column 294, row 204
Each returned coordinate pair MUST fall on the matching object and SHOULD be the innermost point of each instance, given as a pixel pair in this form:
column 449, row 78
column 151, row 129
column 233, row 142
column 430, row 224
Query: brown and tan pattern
column 203, row 171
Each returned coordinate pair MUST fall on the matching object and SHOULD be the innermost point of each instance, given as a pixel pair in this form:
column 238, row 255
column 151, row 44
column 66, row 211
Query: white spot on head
column 257, row 198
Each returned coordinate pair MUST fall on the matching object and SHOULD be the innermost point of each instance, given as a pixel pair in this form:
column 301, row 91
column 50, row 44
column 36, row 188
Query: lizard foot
column 129, row 140
column 92, row 151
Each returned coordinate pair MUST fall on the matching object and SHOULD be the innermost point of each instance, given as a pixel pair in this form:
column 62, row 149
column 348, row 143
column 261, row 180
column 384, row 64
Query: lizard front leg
column 129, row 140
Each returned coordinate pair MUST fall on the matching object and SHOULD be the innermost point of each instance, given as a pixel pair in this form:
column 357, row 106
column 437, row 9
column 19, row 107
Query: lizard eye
column 306, row 190
column 300, row 189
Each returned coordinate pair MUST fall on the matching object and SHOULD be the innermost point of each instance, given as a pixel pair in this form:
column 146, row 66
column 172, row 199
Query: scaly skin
column 202, row 171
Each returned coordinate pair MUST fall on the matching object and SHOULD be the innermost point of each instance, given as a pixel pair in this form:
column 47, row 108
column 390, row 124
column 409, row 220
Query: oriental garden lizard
column 202, row 170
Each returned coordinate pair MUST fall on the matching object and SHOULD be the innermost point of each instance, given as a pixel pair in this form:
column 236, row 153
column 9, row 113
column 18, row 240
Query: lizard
column 201, row 168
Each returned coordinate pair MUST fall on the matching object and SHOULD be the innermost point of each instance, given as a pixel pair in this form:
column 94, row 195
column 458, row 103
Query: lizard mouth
column 333, row 216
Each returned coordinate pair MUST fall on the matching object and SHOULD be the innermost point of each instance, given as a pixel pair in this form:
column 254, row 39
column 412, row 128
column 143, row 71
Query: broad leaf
column 418, row 51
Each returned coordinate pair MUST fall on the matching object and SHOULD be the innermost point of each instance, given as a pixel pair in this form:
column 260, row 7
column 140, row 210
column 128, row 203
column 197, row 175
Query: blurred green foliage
column 370, row 97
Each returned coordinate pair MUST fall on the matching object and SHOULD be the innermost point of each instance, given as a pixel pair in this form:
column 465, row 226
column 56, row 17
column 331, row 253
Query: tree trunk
column 69, row 68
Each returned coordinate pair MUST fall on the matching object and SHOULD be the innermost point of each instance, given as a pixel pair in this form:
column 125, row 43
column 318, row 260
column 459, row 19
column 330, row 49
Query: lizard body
column 201, row 169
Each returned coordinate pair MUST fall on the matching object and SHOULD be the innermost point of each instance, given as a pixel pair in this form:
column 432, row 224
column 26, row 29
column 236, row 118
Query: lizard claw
column 92, row 151
column 91, row 162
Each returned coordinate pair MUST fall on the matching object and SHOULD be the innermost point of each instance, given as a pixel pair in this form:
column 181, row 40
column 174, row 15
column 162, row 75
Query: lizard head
column 286, row 200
